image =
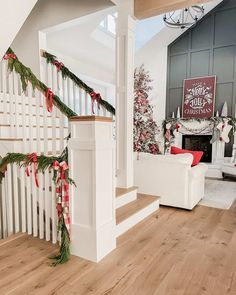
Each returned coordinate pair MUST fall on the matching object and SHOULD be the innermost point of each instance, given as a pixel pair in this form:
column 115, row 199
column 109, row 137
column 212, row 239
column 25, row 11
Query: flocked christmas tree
column 145, row 128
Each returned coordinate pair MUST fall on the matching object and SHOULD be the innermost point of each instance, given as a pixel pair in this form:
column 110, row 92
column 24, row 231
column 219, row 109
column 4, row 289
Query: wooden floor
column 173, row 252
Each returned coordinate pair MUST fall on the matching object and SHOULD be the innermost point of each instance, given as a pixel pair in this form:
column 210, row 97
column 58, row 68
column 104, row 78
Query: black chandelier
column 184, row 18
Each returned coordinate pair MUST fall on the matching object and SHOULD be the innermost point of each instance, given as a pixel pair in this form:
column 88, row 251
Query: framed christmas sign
column 199, row 97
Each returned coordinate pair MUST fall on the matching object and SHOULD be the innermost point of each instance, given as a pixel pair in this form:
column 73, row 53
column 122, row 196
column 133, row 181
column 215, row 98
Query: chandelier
column 184, row 18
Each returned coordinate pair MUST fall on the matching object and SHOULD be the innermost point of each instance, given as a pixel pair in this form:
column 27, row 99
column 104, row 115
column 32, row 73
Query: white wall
column 48, row 13
column 13, row 15
column 154, row 57
column 84, row 47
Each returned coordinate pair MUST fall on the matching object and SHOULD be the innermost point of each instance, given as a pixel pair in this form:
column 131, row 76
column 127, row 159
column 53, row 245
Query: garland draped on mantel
column 26, row 75
column 66, row 73
column 215, row 125
column 61, row 178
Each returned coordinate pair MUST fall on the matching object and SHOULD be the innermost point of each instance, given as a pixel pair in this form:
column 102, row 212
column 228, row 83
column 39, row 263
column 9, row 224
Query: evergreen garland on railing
column 26, row 75
column 66, row 73
column 41, row 164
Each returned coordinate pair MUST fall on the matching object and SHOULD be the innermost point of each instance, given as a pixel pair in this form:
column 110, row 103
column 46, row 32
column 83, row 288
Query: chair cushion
column 197, row 155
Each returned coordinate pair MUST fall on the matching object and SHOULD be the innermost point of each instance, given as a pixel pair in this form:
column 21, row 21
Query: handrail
column 26, row 75
column 52, row 59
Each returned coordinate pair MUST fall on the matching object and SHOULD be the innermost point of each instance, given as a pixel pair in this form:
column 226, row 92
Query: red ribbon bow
column 62, row 190
column 58, row 65
column 97, row 97
column 32, row 158
column 9, row 55
column 49, row 95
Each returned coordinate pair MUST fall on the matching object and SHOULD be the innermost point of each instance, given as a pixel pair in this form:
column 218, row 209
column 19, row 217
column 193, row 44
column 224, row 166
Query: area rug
column 219, row 194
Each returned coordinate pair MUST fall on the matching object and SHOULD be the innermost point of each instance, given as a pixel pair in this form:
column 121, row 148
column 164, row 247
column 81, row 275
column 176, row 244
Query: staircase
column 131, row 208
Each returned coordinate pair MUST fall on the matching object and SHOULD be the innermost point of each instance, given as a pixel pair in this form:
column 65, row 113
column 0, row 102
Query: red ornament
column 95, row 97
column 221, row 138
column 32, row 158
column 49, row 96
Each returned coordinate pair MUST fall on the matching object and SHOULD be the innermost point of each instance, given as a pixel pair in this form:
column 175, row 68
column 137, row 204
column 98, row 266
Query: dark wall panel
column 224, row 92
column 223, row 63
column 199, row 63
column 201, row 35
column 209, row 48
column 178, row 70
column 176, row 98
column 225, row 27
column 180, row 46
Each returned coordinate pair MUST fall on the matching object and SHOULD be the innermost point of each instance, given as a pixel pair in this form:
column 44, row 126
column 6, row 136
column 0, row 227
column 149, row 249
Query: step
column 125, row 195
column 129, row 215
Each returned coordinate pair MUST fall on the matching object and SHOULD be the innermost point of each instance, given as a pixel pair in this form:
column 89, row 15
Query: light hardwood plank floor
column 173, row 252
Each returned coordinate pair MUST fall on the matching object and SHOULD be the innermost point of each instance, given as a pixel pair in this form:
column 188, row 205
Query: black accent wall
column 209, row 48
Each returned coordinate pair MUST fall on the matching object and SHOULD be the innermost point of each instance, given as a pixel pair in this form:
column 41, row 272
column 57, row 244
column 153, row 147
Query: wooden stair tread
column 123, row 191
column 130, row 209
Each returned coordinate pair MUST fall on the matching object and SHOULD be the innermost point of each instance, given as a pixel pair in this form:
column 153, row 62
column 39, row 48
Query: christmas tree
column 145, row 128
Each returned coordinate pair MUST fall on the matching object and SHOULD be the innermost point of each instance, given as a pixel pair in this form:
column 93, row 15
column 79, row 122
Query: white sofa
column 171, row 177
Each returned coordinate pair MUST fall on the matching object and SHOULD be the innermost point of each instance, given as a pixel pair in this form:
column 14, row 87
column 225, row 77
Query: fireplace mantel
column 201, row 127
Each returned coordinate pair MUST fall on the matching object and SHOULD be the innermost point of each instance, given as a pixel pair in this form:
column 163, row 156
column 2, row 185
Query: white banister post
column 91, row 161
column 125, row 47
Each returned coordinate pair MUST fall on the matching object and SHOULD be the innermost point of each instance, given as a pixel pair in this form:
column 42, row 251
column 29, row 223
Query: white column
column 125, row 96
column 91, row 161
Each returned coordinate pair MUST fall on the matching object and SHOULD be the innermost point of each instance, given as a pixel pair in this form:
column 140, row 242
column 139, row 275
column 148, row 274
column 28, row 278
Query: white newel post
column 91, row 160
column 125, row 84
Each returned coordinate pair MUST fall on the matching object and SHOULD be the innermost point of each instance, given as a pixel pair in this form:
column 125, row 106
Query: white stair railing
column 26, row 126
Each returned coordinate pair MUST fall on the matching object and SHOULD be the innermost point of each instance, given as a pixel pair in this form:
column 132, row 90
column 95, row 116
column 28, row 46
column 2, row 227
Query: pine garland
column 26, row 75
column 52, row 59
column 64, row 251
column 44, row 163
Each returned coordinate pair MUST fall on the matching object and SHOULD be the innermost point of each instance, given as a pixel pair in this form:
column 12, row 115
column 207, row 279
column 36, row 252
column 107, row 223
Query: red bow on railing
column 49, row 95
column 32, row 158
column 9, row 55
column 97, row 97
column 58, row 65
column 62, row 190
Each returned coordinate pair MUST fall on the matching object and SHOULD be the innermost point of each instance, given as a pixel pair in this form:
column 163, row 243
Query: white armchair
column 172, row 178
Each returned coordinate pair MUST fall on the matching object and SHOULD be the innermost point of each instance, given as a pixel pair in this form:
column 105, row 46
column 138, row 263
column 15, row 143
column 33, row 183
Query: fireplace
column 199, row 143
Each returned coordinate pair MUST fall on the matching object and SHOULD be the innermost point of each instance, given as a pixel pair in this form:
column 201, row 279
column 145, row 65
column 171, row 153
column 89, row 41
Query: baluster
column 30, row 185
column 9, row 200
column 47, row 123
column 80, row 101
column 16, row 198
column 54, row 153
column 11, row 105
column 23, row 199
column 4, row 208
column 24, row 182
column 4, row 88
column 74, row 97
column 61, row 116
column 86, row 104
column 39, row 192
